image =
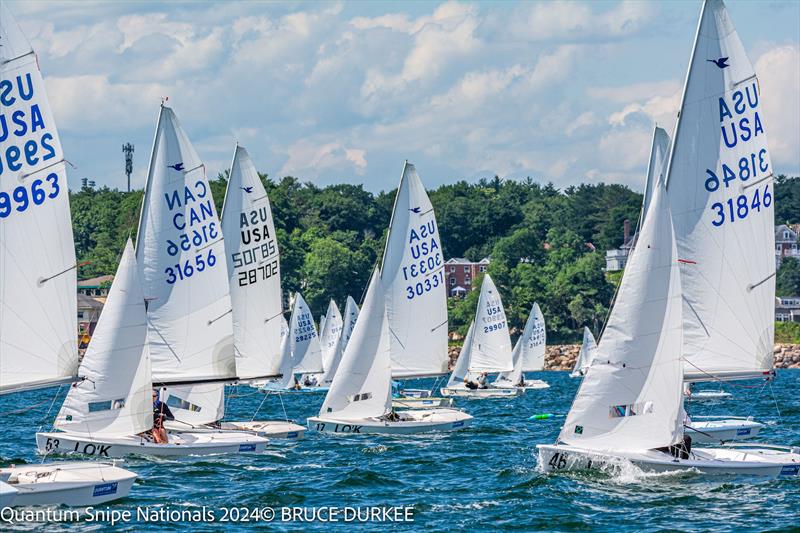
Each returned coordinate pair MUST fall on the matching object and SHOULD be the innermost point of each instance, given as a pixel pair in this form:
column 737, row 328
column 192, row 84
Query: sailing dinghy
column 348, row 324
column 359, row 400
column 629, row 407
column 586, row 355
column 528, row 355
column 108, row 413
column 251, row 251
column 486, row 349
column 412, row 273
column 38, row 318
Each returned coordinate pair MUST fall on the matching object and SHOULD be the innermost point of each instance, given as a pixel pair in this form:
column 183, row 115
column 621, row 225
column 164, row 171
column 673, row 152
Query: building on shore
column 95, row 287
column 617, row 258
column 89, row 310
column 461, row 274
column 787, row 309
column 787, row 242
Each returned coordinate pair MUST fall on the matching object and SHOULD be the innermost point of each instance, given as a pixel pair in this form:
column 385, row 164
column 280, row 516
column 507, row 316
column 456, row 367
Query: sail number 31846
column 740, row 207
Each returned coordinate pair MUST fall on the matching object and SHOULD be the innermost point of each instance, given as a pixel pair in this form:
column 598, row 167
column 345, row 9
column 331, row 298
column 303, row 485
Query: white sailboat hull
column 724, row 430
column 271, row 429
column 480, row 394
column 708, row 395
column 528, row 384
column 414, row 402
column 765, row 461
column 72, row 484
column 180, row 443
column 418, row 421
column 267, row 389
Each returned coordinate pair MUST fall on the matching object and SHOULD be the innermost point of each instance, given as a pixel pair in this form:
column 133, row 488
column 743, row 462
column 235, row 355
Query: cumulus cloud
column 778, row 73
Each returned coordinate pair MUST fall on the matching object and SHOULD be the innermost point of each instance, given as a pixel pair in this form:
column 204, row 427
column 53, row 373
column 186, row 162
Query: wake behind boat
column 360, row 398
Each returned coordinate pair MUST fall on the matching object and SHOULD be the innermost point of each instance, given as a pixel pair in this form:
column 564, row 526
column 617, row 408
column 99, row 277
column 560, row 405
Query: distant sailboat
column 349, row 320
column 359, row 400
column 486, row 349
column 528, row 355
column 330, row 330
column 38, row 307
column 586, row 355
column 630, row 404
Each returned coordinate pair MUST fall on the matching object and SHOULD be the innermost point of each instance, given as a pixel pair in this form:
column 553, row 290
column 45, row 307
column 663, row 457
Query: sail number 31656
column 179, row 272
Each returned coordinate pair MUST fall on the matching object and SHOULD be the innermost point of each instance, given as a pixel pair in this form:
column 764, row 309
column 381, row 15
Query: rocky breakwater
column 787, row 356
column 557, row 356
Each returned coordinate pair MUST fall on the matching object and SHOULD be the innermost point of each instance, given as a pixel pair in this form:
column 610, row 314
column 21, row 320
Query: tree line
column 547, row 245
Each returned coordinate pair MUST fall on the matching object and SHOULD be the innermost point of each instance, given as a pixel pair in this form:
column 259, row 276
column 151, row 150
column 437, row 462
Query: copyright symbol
column 267, row 514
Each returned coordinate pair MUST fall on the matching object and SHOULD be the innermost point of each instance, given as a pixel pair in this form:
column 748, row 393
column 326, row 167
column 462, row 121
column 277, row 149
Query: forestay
column 181, row 255
column 330, row 330
column 412, row 272
column 631, row 397
column 491, row 344
column 114, row 396
column 303, row 340
column 253, row 271
column 38, row 293
column 586, row 355
column 720, row 184
column 349, row 323
column 362, row 386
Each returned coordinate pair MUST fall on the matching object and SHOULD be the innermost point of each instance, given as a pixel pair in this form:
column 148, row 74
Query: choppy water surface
column 484, row 477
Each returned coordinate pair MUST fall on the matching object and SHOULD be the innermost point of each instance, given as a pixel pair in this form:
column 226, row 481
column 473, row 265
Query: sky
column 563, row 91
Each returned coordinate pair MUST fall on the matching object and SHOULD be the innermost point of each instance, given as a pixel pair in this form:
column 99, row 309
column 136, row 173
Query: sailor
column 482, row 380
column 471, row 384
column 310, row 381
column 161, row 412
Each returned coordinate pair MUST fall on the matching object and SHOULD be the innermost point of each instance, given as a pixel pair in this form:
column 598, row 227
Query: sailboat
column 359, row 400
column 256, row 307
column 486, row 349
column 303, row 350
column 38, row 324
column 528, row 355
column 348, row 323
column 412, row 272
column 629, row 407
column 586, row 355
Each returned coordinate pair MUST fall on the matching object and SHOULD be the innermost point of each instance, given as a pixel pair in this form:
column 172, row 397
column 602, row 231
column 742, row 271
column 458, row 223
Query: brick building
column 461, row 273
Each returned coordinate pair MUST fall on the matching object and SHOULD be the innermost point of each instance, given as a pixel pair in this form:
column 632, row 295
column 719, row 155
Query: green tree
column 787, row 282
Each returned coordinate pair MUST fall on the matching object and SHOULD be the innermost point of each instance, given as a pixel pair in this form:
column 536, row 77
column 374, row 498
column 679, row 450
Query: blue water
column 482, row 478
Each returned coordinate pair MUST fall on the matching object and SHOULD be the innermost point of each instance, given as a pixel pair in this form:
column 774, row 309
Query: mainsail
column 631, row 397
column 362, row 386
column 181, row 256
column 461, row 368
column 349, row 323
column 412, row 273
column 586, row 355
column 330, row 330
column 303, row 339
column 491, row 343
column 253, row 271
column 720, row 185
column 656, row 167
column 38, row 292
column 529, row 351
column 113, row 397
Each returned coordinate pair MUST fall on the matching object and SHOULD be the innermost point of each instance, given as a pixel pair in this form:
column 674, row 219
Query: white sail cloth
column 720, row 184
column 362, row 386
column 287, row 363
column 631, row 397
column 656, row 167
column 201, row 403
column 114, row 397
column 38, row 293
column 529, row 351
column 181, row 255
column 461, row 368
column 349, row 323
column 412, row 273
column 253, row 271
column 303, row 339
column 491, row 343
column 586, row 355
column 330, row 330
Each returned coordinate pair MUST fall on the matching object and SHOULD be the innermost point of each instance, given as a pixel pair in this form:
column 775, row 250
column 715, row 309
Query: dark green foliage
column 787, row 282
column 542, row 241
